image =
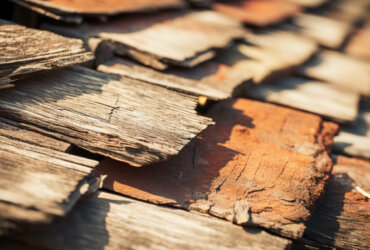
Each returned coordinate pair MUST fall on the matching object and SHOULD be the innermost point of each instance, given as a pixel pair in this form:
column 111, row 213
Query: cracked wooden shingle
column 125, row 119
column 261, row 165
column 183, row 38
column 25, row 51
column 111, row 221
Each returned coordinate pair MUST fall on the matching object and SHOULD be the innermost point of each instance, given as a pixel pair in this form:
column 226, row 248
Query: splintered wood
column 128, row 120
column 38, row 183
column 340, row 70
column 25, row 51
column 184, row 38
column 261, row 165
column 341, row 219
column 109, row 221
column 73, row 11
column 210, row 79
column 258, row 12
column 313, row 96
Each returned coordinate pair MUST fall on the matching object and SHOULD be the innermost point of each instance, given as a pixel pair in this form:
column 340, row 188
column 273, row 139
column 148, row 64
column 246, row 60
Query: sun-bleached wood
column 25, row 51
column 110, row 221
column 340, row 70
column 211, row 79
column 309, row 95
column 184, row 38
column 38, row 183
column 125, row 119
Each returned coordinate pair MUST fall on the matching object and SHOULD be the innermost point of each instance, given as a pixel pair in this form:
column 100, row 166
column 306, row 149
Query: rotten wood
column 110, row 221
column 38, row 183
column 125, row 119
column 260, row 165
column 74, row 11
column 340, row 70
column 326, row 31
column 341, row 219
column 26, row 51
column 183, row 38
column 308, row 95
column 258, row 12
column 211, row 79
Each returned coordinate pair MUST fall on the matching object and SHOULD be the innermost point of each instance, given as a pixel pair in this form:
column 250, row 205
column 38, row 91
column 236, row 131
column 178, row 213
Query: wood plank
column 308, row 95
column 326, row 31
column 340, row 70
column 67, row 10
column 260, row 165
column 17, row 131
column 309, row 3
column 25, row 51
column 210, row 79
column 128, row 120
column 110, row 221
column 39, row 183
column 258, row 12
column 354, row 139
column 341, row 219
column 184, row 38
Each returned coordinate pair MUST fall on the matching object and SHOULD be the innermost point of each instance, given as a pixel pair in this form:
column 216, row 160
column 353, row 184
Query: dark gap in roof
column 75, row 150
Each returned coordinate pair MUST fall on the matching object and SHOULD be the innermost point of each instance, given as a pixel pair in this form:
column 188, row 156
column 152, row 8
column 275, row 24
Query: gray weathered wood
column 308, row 95
column 39, row 183
column 340, row 70
column 20, row 132
column 109, row 221
column 184, row 38
column 326, row 31
column 211, row 79
column 128, row 120
column 24, row 51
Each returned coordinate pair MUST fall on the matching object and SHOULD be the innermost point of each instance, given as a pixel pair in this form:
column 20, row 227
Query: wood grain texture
column 326, row 31
column 110, row 221
column 128, row 120
column 101, row 7
column 308, row 95
column 184, row 38
column 341, row 219
column 258, row 12
column 25, row 51
column 340, row 70
column 17, row 131
column 38, row 183
column 260, row 165
column 211, row 79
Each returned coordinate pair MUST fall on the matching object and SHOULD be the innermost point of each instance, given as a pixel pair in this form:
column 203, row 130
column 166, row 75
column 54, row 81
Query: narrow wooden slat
column 184, row 38
column 258, row 12
column 128, row 120
column 211, row 79
column 109, row 221
column 68, row 10
column 38, row 183
column 308, row 95
column 260, row 165
column 340, row 70
column 25, row 51
column 341, row 219
column 327, row 32
column 358, row 44
column 309, row 3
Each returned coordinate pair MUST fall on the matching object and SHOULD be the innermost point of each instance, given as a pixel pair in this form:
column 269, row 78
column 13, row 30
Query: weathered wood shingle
column 25, row 51
column 128, row 120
